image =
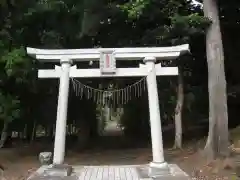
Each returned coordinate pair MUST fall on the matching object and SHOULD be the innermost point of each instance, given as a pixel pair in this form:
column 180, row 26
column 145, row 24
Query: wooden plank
column 108, row 173
column 94, row 172
column 134, row 173
column 128, row 173
column 105, row 173
column 117, row 173
column 88, row 173
column 123, row 173
column 111, row 174
column 83, row 173
column 99, row 174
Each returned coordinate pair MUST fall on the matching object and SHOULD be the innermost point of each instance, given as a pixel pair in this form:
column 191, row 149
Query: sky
column 197, row 3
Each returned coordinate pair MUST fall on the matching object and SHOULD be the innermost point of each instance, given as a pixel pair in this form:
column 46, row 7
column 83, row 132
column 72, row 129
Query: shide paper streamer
column 111, row 97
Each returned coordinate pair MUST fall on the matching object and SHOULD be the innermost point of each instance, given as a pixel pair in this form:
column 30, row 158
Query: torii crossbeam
column 107, row 58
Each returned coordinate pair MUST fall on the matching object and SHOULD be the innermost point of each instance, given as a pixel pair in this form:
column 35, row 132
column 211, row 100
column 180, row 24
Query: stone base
column 155, row 172
column 54, row 178
column 169, row 172
column 54, row 172
column 59, row 170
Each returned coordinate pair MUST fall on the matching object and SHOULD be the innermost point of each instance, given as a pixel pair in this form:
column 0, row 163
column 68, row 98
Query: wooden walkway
column 108, row 173
column 113, row 172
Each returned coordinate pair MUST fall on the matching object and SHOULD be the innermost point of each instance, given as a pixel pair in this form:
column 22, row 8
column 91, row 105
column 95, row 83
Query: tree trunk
column 4, row 134
column 30, row 125
column 178, row 113
column 33, row 131
column 51, row 133
column 25, row 131
column 217, row 142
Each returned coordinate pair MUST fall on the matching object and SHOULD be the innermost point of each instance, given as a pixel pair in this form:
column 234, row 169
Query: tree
column 180, row 21
column 9, row 111
column 217, row 142
column 178, row 112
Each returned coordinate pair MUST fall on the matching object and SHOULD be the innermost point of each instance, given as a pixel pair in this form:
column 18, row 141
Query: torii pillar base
column 168, row 172
column 60, row 170
column 158, row 169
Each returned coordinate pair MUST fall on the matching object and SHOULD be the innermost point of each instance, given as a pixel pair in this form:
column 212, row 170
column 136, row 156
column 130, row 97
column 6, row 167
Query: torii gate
column 107, row 58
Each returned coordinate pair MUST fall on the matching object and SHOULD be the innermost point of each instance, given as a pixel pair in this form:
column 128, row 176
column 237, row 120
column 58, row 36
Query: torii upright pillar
column 154, row 113
column 62, row 108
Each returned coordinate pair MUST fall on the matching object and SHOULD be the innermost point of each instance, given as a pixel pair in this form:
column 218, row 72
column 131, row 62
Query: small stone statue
column 45, row 158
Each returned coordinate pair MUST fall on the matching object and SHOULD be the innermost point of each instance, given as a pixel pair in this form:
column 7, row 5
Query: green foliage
column 167, row 22
column 9, row 107
column 115, row 23
column 14, row 62
column 191, row 24
column 135, row 8
column 183, row 27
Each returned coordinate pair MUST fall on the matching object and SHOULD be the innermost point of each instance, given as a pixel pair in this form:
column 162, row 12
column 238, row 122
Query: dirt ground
column 20, row 162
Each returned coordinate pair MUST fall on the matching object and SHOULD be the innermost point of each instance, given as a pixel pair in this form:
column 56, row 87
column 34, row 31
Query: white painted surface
column 96, row 73
column 108, row 173
column 60, row 136
column 150, row 69
column 154, row 112
column 117, row 172
column 95, row 57
column 163, row 53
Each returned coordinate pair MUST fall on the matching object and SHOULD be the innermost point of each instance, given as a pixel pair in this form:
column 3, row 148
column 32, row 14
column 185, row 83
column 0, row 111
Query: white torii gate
column 149, row 55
